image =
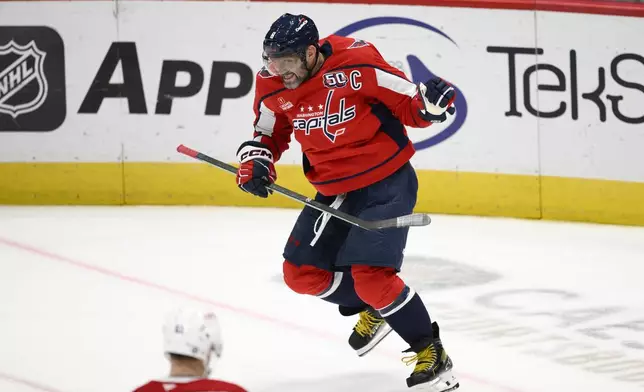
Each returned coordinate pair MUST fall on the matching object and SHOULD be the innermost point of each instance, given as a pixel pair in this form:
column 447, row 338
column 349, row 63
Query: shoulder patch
column 358, row 43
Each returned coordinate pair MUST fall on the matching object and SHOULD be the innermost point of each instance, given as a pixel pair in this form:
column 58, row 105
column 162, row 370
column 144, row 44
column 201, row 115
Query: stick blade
column 401, row 221
column 413, row 220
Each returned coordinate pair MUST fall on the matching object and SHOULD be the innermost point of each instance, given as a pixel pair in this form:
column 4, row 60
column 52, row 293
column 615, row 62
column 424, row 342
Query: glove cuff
column 254, row 150
column 432, row 118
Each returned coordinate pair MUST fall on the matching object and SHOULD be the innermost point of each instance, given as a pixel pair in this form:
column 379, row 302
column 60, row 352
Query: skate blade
column 377, row 338
column 445, row 382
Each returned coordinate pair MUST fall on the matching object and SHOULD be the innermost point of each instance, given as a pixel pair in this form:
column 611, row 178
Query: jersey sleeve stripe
column 265, row 121
column 403, row 85
column 395, row 83
column 261, row 100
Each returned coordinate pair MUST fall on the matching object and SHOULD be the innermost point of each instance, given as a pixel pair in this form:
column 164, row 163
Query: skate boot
column 433, row 370
column 370, row 329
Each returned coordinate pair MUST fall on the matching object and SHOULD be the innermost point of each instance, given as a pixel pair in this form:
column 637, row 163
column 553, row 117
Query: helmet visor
column 282, row 63
column 279, row 61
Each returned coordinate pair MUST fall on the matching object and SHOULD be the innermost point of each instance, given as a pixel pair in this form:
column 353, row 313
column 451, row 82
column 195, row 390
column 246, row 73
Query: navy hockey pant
column 320, row 248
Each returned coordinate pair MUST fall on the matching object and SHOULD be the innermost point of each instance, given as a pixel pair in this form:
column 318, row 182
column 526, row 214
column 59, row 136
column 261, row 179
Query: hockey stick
column 401, row 221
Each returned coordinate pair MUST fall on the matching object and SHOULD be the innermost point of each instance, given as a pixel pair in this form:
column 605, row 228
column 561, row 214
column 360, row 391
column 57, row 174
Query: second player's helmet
column 193, row 333
column 290, row 34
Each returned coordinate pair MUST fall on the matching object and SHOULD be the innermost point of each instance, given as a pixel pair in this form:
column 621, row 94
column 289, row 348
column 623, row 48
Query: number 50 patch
column 339, row 79
column 335, row 80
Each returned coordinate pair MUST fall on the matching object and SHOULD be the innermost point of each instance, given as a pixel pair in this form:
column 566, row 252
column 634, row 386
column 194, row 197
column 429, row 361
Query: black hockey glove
column 256, row 169
column 438, row 96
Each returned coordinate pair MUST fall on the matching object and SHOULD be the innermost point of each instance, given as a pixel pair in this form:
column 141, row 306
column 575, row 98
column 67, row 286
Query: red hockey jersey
column 189, row 384
column 349, row 117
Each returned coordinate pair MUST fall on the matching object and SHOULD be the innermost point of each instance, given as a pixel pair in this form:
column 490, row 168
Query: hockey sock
column 408, row 316
column 341, row 291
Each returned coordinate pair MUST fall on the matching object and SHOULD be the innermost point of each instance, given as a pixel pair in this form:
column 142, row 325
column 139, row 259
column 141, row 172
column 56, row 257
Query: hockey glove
column 256, row 169
column 438, row 96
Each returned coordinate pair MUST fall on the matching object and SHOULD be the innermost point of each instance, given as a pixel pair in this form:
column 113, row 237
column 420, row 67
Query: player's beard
column 294, row 79
column 291, row 80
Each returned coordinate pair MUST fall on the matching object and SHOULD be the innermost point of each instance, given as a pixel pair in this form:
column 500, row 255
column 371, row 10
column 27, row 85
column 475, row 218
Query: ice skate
column 433, row 370
column 370, row 329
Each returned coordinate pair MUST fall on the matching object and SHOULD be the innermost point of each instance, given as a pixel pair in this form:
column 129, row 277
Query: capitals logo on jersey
column 324, row 120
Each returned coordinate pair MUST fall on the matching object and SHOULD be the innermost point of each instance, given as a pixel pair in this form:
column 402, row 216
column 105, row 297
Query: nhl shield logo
column 23, row 86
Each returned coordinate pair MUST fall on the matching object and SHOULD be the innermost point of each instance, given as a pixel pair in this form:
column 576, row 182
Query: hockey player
column 192, row 344
column 347, row 107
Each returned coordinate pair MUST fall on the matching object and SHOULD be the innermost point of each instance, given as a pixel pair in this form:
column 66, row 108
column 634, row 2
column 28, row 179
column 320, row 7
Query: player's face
column 290, row 68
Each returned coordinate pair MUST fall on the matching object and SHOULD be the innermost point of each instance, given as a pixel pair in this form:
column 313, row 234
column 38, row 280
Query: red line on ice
column 31, row 384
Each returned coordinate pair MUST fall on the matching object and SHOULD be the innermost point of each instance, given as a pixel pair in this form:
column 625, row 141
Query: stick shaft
column 402, row 221
column 279, row 189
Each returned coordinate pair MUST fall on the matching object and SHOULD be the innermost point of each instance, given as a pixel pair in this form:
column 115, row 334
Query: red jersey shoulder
column 352, row 49
column 265, row 83
column 266, row 86
column 202, row 385
column 339, row 43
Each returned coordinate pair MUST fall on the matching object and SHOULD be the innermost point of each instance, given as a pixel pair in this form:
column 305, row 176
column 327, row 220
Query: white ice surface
column 524, row 306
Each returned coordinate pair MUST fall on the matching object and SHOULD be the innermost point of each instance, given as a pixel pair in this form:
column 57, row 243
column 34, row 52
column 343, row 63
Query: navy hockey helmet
column 290, row 34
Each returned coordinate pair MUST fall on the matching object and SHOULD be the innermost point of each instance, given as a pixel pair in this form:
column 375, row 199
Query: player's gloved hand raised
column 438, row 96
column 256, row 169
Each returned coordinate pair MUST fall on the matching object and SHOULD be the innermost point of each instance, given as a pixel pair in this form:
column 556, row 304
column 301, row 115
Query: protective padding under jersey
column 377, row 286
column 306, row 279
